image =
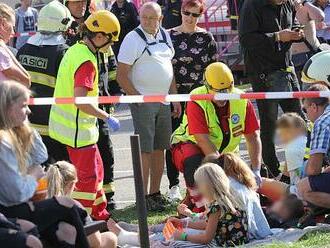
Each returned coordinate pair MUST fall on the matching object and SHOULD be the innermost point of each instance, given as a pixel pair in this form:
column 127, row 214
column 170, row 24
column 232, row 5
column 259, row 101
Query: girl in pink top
column 10, row 68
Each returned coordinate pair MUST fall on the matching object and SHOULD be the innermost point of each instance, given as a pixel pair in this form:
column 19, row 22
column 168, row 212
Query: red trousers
column 180, row 153
column 89, row 188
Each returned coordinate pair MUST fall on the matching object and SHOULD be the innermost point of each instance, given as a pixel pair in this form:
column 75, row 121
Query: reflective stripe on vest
column 307, row 153
column 236, row 122
column 41, row 129
column 308, row 144
column 43, row 79
column 67, row 124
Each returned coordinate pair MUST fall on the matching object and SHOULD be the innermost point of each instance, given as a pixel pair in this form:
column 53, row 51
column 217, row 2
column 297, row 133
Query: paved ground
column 124, row 181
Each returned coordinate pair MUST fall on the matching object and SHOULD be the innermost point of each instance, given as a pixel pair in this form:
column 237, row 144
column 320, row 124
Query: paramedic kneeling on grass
column 315, row 188
column 213, row 127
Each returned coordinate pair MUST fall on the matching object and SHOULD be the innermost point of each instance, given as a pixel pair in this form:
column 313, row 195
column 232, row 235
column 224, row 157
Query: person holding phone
column 267, row 54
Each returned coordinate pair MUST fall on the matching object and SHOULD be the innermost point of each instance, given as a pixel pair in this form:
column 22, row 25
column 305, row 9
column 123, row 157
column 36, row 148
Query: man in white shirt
column 145, row 68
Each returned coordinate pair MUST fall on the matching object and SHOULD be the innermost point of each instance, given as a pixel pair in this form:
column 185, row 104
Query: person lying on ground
column 62, row 178
column 286, row 212
column 292, row 131
column 226, row 223
column 59, row 220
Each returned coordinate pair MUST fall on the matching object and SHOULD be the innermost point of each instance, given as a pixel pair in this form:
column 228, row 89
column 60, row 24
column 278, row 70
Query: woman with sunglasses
column 195, row 49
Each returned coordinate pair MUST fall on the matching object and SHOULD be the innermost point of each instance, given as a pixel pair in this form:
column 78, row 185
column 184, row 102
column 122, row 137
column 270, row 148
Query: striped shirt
column 320, row 139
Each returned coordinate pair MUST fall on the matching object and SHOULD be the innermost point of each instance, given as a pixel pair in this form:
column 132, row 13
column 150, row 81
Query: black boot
column 111, row 204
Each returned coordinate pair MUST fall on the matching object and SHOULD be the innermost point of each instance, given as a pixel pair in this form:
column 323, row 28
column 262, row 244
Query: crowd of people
column 78, row 51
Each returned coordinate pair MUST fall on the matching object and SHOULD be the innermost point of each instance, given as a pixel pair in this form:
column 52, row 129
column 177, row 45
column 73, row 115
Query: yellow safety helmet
column 103, row 21
column 218, row 77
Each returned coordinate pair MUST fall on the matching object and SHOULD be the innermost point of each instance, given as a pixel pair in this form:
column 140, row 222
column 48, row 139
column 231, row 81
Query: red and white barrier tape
column 24, row 34
column 177, row 98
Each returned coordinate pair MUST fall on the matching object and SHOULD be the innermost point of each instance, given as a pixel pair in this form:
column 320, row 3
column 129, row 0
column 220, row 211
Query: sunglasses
column 209, row 87
column 187, row 13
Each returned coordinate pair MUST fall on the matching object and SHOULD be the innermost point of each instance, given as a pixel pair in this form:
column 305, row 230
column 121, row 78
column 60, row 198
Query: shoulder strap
column 143, row 37
column 164, row 40
column 309, row 46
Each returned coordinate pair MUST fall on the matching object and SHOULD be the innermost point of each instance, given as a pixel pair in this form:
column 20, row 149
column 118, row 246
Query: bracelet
column 277, row 37
column 183, row 236
column 195, row 217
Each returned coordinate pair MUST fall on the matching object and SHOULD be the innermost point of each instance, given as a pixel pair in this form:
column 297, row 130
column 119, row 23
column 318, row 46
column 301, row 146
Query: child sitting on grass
column 292, row 131
column 226, row 223
column 62, row 178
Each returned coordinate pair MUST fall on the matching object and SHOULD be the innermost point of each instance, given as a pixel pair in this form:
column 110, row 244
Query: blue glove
column 113, row 124
column 257, row 176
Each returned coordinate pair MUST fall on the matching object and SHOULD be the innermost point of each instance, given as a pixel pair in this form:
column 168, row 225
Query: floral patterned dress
column 232, row 228
column 193, row 53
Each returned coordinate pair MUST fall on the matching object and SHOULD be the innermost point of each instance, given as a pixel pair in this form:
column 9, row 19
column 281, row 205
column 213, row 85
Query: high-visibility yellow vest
column 68, row 124
column 308, row 143
column 237, row 110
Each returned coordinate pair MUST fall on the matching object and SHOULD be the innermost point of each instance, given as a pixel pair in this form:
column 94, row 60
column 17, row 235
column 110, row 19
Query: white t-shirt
column 294, row 157
column 150, row 74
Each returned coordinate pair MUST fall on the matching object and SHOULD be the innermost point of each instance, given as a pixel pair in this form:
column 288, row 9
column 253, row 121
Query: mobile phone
column 297, row 27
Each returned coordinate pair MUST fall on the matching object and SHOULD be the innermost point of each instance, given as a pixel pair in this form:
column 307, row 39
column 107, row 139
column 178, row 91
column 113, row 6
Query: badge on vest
column 239, row 133
column 235, row 119
column 237, row 128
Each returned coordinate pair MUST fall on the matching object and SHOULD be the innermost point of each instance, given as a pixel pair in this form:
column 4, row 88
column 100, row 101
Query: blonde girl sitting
column 226, row 223
column 62, row 178
column 243, row 186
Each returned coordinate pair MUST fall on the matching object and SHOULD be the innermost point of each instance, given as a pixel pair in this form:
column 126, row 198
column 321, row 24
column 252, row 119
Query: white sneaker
column 174, row 193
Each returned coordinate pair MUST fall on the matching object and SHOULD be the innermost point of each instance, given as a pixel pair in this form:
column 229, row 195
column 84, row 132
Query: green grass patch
column 312, row 240
column 129, row 215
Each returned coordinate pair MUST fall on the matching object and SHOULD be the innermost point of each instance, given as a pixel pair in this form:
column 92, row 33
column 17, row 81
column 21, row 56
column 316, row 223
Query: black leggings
column 47, row 215
column 11, row 235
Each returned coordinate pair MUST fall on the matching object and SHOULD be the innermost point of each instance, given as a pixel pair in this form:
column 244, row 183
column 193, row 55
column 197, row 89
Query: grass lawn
column 315, row 240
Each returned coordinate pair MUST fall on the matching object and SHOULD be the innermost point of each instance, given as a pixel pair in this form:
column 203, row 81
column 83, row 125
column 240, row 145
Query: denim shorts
column 320, row 183
column 152, row 121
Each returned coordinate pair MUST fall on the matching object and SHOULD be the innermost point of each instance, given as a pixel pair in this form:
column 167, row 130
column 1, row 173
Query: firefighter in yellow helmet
column 75, row 125
column 214, row 127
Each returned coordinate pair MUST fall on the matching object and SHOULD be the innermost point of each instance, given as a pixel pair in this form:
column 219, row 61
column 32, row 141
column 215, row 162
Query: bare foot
column 114, row 227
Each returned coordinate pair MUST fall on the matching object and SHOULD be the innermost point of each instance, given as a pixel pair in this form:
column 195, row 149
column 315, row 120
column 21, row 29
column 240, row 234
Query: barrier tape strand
column 176, row 98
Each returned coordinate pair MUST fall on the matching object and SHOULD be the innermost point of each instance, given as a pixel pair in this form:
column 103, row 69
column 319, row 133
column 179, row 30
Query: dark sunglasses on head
column 187, row 13
column 304, row 110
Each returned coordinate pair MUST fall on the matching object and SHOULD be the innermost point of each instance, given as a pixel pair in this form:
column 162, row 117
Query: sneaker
column 174, row 194
column 153, row 204
column 164, row 200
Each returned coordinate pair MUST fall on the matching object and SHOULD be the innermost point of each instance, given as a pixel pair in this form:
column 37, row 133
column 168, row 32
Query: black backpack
column 143, row 37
